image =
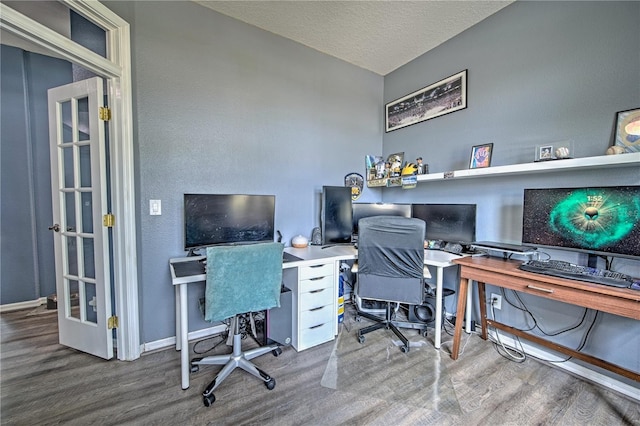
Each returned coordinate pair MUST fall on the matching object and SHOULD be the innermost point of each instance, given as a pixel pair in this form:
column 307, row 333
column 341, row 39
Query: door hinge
column 112, row 322
column 105, row 113
column 109, row 220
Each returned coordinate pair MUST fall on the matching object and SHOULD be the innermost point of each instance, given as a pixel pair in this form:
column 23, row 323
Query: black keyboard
column 562, row 269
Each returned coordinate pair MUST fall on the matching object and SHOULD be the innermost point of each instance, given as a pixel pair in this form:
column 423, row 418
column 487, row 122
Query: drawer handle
column 546, row 290
column 317, row 309
column 316, row 266
column 315, row 279
column 317, row 291
column 316, row 326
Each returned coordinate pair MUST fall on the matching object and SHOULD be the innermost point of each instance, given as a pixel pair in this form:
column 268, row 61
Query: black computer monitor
column 336, row 215
column 213, row 219
column 451, row 223
column 596, row 220
column 362, row 210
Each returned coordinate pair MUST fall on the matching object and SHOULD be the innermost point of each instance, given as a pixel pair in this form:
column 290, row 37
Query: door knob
column 55, row 228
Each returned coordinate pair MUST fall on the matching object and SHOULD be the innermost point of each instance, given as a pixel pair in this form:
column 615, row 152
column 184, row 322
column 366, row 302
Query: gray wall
column 223, row 107
column 27, row 260
column 538, row 72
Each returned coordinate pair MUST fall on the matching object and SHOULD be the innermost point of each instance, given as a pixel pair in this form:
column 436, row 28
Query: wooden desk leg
column 483, row 309
column 462, row 302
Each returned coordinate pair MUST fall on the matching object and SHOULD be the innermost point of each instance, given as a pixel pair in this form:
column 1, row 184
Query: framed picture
column 628, row 130
column 445, row 96
column 545, row 153
column 481, row 156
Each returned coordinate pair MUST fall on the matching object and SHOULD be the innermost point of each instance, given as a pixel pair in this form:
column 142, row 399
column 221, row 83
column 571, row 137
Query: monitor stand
column 193, row 252
column 592, row 260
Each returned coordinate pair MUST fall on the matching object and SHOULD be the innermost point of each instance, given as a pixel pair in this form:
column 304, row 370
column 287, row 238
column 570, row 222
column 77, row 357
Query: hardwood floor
column 340, row 382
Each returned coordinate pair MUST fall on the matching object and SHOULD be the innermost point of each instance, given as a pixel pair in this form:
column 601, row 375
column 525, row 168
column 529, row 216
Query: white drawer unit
column 314, row 304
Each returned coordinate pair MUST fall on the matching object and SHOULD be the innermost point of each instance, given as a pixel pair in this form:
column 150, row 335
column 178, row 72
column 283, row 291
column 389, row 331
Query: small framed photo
column 545, row 153
column 481, row 156
column 628, row 130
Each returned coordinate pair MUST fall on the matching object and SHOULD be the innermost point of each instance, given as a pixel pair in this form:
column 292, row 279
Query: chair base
column 388, row 323
column 236, row 359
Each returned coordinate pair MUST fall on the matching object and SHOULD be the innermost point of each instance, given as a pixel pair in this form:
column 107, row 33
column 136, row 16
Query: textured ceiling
column 379, row 36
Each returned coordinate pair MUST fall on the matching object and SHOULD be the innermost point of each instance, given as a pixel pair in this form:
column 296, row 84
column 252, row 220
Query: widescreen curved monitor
column 596, row 220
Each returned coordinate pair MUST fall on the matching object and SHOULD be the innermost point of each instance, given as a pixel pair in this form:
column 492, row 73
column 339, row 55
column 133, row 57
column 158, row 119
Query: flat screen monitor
column 452, row 223
column 214, row 219
column 335, row 216
column 362, row 210
column 597, row 220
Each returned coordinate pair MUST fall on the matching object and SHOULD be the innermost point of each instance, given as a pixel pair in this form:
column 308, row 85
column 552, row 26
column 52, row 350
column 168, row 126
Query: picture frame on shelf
column 545, row 152
column 556, row 150
column 481, row 156
column 628, row 130
column 443, row 97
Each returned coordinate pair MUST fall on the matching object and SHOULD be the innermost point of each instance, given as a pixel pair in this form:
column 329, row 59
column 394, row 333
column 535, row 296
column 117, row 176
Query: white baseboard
column 171, row 341
column 23, row 305
column 570, row 366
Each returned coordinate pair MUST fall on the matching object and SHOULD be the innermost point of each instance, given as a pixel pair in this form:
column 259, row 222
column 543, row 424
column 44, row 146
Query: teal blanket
column 245, row 278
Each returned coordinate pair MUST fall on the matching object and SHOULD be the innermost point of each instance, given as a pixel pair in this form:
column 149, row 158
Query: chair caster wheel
column 276, row 352
column 195, row 368
column 424, row 333
column 404, row 349
column 208, row 400
column 361, row 339
column 357, row 318
column 270, row 384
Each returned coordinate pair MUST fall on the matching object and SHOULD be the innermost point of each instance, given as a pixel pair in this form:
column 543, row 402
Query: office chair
column 390, row 269
column 240, row 279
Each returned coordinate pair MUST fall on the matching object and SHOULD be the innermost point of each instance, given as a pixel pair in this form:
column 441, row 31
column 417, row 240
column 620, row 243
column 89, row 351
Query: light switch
column 155, row 207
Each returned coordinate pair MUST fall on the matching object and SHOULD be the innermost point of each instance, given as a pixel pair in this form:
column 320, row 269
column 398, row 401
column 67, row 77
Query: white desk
column 441, row 260
column 309, row 256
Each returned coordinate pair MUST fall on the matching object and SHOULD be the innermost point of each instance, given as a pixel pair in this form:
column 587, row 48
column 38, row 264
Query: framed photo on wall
column 481, row 156
column 628, row 130
column 443, row 97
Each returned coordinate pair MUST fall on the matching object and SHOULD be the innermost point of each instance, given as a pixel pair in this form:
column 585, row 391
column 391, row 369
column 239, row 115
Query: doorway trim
column 116, row 69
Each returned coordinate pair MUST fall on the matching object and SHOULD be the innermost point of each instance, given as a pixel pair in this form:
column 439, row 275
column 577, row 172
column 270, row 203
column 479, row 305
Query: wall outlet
column 496, row 301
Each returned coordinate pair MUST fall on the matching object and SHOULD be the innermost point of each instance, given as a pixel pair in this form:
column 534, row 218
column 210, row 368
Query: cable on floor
column 515, row 354
column 222, row 336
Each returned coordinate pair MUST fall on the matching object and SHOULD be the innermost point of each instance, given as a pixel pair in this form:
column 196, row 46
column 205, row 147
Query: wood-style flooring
column 336, row 383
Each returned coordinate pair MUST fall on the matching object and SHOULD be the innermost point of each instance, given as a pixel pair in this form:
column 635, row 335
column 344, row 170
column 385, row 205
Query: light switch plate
column 155, row 207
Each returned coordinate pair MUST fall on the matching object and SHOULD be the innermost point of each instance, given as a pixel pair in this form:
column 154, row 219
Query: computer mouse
column 635, row 285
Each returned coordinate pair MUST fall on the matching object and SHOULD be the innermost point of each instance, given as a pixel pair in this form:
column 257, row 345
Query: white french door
column 79, row 194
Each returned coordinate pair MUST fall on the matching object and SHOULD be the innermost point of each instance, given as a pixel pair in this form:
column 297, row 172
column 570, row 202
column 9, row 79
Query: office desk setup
column 313, row 270
column 506, row 274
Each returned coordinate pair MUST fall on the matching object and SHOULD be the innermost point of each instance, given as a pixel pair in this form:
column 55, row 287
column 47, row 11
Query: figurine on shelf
column 387, row 169
column 423, row 169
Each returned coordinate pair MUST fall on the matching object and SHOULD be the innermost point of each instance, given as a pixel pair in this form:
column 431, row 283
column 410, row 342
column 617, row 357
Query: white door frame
column 116, row 69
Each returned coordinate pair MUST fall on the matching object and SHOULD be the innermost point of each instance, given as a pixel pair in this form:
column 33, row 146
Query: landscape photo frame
column 443, row 97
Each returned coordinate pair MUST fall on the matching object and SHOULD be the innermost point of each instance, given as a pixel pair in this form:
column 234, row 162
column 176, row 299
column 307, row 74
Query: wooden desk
column 505, row 274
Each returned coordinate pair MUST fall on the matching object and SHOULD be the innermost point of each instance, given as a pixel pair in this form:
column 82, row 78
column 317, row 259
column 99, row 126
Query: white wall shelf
column 604, row 161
